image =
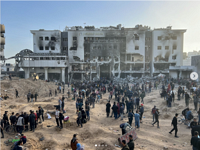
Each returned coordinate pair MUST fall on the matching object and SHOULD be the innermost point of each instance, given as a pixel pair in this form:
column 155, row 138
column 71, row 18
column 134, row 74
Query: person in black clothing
column 61, row 117
column 26, row 120
column 16, row 93
column 32, row 121
column 156, row 118
column 130, row 117
column 108, row 108
column 115, row 108
column 28, row 98
column 2, row 126
column 36, row 95
column 63, row 102
column 194, row 140
column 40, row 114
column 13, row 119
column 5, row 119
column 55, row 92
column 32, row 97
column 131, row 144
column 174, row 123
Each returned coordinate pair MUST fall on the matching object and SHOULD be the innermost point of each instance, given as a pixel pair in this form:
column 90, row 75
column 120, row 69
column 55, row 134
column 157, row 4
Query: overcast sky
column 21, row 17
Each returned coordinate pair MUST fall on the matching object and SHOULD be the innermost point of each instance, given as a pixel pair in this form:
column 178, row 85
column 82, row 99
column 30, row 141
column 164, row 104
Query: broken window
column 57, row 58
column 159, row 47
column 174, row 37
column 41, row 58
column 159, row 37
column 46, row 38
column 166, row 47
column 47, row 58
column 65, row 39
column 41, row 48
column 62, row 58
column 41, row 38
column 94, row 47
column 174, row 47
column 166, row 38
column 53, row 38
column 136, row 47
column 53, row 58
column 52, row 48
column 174, row 57
column 52, row 67
column 46, row 47
column 128, row 57
column 137, row 38
column 41, row 68
column 64, row 48
column 74, row 38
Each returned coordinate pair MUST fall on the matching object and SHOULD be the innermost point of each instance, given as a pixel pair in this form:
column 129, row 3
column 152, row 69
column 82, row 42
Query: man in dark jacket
column 32, row 121
column 187, row 98
column 125, row 147
column 36, row 95
column 5, row 119
column 130, row 117
column 127, row 106
column 26, row 120
column 174, row 123
column 131, row 144
column 40, row 114
column 13, row 119
column 115, row 108
column 141, row 112
column 156, row 117
column 137, row 102
column 194, row 140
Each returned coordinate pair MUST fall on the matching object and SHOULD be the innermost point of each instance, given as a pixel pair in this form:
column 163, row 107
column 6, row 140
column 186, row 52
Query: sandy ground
column 99, row 130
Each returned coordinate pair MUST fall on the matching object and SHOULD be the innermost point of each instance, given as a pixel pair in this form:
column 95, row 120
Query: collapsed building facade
column 2, row 41
column 86, row 53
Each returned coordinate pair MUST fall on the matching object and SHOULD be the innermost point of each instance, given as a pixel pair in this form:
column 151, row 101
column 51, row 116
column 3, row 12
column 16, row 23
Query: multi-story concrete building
column 2, row 41
column 84, row 53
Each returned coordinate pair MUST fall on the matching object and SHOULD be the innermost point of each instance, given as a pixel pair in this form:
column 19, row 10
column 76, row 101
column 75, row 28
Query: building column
column 63, row 75
column 27, row 73
column 130, row 67
column 90, row 76
column 180, row 74
column 46, row 73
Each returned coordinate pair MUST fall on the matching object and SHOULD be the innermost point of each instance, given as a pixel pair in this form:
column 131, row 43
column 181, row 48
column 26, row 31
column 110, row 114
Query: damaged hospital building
column 85, row 53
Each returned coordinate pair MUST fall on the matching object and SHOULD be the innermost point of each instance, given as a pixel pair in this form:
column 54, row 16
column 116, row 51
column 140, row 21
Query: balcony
column 43, row 63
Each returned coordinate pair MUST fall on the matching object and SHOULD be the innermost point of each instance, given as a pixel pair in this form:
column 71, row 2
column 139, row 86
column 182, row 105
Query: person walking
column 108, row 109
column 60, row 103
column 131, row 144
column 16, row 92
column 79, row 119
column 195, row 98
column 122, row 111
column 50, row 94
column 36, row 95
column 55, row 92
column 153, row 112
column 156, row 117
column 141, row 112
column 63, row 103
column 137, row 120
column 32, row 121
column 26, row 120
column 137, row 102
column 87, row 109
column 74, row 142
column 61, row 118
column 115, row 108
column 174, row 123
column 130, row 117
column 187, row 98
column 28, row 97
column 142, row 95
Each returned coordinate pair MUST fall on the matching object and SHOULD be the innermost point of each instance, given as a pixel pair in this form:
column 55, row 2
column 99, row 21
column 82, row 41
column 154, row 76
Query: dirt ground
column 100, row 130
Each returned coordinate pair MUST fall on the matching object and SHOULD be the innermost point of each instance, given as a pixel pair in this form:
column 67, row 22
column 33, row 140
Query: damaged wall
column 46, row 41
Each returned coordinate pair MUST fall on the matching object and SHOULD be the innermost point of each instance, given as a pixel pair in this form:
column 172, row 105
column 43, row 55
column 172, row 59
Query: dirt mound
column 49, row 107
column 12, row 106
column 6, row 85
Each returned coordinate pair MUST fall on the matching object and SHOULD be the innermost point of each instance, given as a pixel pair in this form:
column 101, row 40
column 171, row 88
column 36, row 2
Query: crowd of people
column 124, row 101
